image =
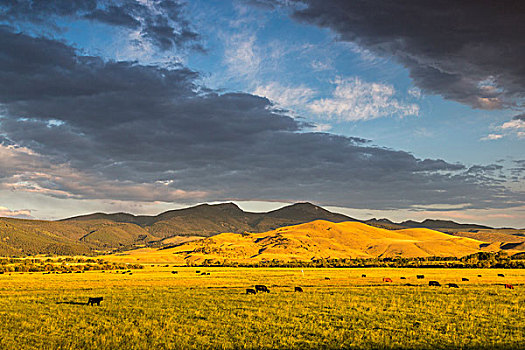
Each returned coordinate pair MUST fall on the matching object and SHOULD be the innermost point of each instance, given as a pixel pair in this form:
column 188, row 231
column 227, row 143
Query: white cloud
column 288, row 97
column 22, row 213
column 354, row 99
column 241, row 55
column 491, row 137
column 319, row 65
column 414, row 92
column 322, row 127
column 515, row 124
column 514, row 127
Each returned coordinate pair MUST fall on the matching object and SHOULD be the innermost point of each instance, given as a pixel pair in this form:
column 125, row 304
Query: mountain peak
column 302, row 206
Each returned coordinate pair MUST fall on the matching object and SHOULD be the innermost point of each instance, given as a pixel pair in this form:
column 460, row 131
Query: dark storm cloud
column 519, row 117
column 472, row 52
column 87, row 128
column 161, row 21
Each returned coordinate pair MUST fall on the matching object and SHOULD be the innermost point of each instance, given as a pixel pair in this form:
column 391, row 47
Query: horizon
column 246, row 208
column 145, row 106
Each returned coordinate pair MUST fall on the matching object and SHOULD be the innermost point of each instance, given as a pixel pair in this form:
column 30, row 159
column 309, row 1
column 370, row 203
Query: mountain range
column 100, row 232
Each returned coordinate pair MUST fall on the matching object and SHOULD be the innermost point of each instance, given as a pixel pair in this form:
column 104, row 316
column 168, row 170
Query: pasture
column 154, row 308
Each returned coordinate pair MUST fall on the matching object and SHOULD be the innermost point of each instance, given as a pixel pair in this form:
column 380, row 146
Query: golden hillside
column 314, row 240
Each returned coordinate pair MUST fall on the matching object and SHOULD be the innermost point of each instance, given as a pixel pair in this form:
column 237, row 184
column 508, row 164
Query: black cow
column 203, row 274
column 465, row 279
column 174, row 272
column 197, row 271
column 453, row 285
column 434, row 284
column 479, row 275
column 327, row 278
column 403, row 278
column 92, row 301
column 261, row 288
column 298, row 289
column 420, row 277
column 363, row 275
column 250, row 291
column 501, row 275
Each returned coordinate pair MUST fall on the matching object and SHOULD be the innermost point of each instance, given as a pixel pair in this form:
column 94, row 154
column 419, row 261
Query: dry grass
column 153, row 308
column 313, row 240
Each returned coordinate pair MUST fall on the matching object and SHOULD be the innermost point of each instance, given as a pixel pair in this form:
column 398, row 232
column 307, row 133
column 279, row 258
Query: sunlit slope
column 315, row 240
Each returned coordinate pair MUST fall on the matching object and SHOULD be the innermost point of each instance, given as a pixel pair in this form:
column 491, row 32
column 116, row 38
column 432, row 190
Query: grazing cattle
column 501, row 275
column 203, row 274
column 298, row 289
column 387, row 279
column 509, row 286
column 327, row 278
column 197, row 271
column 250, row 291
column 97, row 300
column 453, row 285
column 207, row 273
column 479, row 275
column 174, row 272
column 261, row 288
column 420, row 277
column 464, row 279
column 363, row 275
column 434, row 284
column 403, row 278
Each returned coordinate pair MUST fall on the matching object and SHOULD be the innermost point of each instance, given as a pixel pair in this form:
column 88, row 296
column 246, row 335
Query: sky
column 397, row 109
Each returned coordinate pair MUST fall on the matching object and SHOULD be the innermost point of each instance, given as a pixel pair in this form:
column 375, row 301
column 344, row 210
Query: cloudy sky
column 372, row 108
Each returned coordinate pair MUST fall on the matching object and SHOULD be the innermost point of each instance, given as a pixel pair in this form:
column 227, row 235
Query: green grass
column 154, row 309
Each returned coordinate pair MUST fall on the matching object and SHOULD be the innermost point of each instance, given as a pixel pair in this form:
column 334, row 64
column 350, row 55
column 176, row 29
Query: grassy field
column 155, row 309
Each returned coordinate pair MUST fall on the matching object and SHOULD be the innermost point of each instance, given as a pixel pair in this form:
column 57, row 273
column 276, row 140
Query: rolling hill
column 313, row 240
column 102, row 232
column 106, row 232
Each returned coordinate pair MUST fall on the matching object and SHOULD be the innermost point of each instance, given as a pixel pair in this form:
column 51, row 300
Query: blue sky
column 310, row 72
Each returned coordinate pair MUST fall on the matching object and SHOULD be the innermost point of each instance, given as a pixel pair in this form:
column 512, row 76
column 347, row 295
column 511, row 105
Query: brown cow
column 387, row 279
column 509, row 286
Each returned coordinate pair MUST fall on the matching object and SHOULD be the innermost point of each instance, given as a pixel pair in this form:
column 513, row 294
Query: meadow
column 153, row 308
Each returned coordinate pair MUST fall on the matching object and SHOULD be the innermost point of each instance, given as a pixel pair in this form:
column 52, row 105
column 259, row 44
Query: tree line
column 477, row 260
